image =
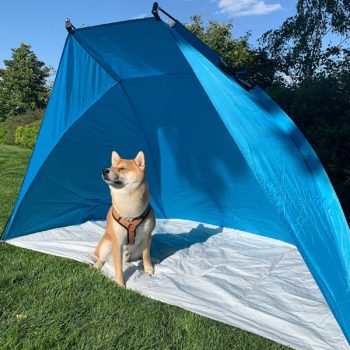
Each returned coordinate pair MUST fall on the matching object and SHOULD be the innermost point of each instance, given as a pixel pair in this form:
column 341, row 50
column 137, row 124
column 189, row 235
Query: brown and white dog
column 130, row 220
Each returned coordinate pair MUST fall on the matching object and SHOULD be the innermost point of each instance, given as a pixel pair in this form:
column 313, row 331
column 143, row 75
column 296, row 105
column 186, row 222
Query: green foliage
column 3, row 133
column 26, row 135
column 321, row 109
column 23, row 83
column 299, row 44
column 9, row 126
column 309, row 79
column 237, row 54
column 314, row 84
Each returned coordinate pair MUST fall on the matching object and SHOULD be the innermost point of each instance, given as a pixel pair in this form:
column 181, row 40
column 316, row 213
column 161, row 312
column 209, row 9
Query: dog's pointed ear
column 115, row 157
column 140, row 160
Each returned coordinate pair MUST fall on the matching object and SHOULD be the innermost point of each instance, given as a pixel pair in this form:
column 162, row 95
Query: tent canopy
column 215, row 152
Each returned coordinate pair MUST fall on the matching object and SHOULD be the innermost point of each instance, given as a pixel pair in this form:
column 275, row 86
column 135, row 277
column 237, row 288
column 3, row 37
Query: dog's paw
column 98, row 264
column 149, row 270
column 120, row 283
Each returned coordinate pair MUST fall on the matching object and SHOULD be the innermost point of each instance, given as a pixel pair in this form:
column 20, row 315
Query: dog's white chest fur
column 134, row 251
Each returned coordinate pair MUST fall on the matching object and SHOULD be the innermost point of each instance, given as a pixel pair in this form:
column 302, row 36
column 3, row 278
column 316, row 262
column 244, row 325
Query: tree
column 321, row 109
column 218, row 36
column 23, row 83
column 309, row 80
column 312, row 56
column 254, row 64
column 299, row 45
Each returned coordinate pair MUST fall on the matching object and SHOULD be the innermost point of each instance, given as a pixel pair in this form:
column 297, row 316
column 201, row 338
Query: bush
column 3, row 132
column 321, row 109
column 26, row 135
column 9, row 126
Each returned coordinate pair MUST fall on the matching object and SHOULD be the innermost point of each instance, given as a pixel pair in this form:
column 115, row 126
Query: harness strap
column 131, row 225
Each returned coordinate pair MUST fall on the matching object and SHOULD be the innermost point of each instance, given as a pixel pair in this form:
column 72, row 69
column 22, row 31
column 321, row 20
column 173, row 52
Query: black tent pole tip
column 156, row 8
column 68, row 25
column 155, row 11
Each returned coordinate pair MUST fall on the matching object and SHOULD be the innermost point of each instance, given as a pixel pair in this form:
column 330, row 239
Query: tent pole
column 155, row 13
column 68, row 25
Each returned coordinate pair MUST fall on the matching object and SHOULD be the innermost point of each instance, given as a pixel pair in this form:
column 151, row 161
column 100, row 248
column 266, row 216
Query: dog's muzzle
column 105, row 173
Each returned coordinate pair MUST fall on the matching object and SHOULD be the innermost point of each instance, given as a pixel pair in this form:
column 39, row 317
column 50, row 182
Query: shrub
column 3, row 132
column 9, row 126
column 26, row 135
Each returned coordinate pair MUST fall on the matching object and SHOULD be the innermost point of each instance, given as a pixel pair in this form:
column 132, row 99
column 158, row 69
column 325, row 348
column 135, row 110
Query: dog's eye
column 121, row 169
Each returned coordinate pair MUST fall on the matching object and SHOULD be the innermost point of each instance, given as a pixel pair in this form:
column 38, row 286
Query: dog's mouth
column 110, row 182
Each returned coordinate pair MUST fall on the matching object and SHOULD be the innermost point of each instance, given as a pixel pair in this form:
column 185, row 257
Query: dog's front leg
column 147, row 264
column 117, row 249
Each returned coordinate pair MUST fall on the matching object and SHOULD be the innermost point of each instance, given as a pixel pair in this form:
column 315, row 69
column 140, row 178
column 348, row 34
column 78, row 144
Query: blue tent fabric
column 296, row 183
column 210, row 54
column 215, row 152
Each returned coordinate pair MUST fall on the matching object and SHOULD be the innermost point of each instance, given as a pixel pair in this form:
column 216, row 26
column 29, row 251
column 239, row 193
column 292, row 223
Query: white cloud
column 239, row 8
column 141, row 15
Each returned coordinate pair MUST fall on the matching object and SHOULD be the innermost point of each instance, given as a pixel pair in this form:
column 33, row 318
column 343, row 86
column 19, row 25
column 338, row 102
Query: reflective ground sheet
column 235, row 277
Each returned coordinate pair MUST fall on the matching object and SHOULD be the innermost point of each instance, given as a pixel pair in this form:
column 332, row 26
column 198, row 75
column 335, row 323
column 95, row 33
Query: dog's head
column 125, row 173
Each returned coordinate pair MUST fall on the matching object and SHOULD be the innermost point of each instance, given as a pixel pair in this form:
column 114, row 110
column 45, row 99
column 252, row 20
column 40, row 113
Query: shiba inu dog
column 130, row 220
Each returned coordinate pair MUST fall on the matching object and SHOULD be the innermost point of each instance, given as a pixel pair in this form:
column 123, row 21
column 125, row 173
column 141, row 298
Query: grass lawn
column 48, row 302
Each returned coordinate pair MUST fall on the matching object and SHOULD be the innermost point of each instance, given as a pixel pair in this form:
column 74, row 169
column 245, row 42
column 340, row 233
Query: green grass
column 48, row 302
column 13, row 164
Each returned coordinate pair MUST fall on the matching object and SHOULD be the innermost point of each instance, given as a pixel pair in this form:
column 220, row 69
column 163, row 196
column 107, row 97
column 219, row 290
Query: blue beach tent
column 216, row 153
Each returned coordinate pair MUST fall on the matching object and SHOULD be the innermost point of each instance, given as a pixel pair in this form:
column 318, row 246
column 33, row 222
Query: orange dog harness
column 131, row 225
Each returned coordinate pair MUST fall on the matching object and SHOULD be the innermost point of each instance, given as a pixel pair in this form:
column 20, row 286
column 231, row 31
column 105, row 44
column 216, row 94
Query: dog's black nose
column 105, row 171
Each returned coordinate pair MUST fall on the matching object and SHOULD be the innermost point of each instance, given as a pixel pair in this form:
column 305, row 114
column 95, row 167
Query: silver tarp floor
column 245, row 280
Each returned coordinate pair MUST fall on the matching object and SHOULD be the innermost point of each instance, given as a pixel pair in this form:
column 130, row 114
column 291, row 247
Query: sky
column 40, row 23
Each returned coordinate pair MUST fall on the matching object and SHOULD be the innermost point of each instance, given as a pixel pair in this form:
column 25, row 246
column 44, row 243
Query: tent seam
column 223, row 122
column 88, row 51
column 49, row 154
column 31, row 156
column 70, row 35
column 161, row 207
column 95, row 56
column 120, row 81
